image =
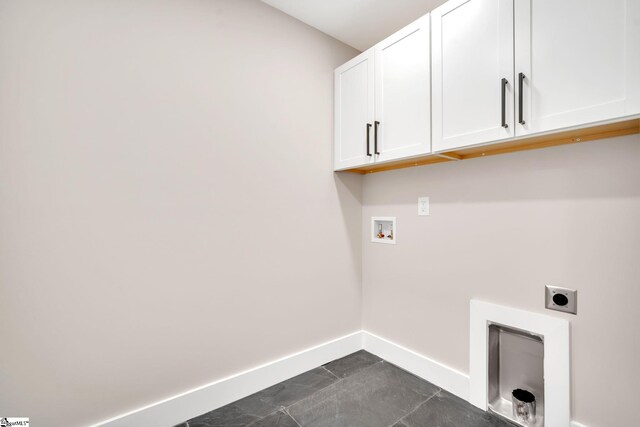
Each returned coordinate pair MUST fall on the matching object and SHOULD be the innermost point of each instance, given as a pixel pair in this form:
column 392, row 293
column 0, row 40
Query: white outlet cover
column 423, row 206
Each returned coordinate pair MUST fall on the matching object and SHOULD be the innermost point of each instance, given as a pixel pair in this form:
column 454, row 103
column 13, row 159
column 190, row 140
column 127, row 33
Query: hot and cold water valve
column 383, row 229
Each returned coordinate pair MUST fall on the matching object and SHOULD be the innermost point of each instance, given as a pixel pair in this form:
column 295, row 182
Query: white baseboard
column 441, row 375
column 192, row 403
column 184, row 406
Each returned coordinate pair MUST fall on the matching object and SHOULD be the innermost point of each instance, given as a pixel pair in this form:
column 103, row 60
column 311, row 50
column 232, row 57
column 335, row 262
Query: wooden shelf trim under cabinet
column 593, row 133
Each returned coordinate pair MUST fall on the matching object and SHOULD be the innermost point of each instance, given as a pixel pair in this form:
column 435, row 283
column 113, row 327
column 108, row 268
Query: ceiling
column 358, row 23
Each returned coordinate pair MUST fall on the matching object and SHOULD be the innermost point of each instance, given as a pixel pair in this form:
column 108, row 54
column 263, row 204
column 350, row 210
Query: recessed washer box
column 516, row 361
column 383, row 229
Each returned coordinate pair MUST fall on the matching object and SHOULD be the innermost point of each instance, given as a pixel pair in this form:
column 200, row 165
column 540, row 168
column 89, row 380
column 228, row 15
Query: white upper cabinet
column 477, row 72
column 402, row 93
column 353, row 139
column 505, row 68
column 383, row 102
column 578, row 62
column 472, row 70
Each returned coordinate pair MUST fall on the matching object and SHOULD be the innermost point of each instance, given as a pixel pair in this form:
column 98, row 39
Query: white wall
column 168, row 213
column 500, row 229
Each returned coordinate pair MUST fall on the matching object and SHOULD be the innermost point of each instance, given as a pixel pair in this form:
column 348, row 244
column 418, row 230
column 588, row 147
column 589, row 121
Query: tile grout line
column 415, row 409
column 320, row 389
column 339, row 380
column 337, row 377
column 286, row 408
column 279, row 409
column 286, row 411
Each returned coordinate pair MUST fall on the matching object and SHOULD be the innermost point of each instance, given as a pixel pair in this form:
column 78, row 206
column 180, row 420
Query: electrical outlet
column 423, row 206
column 561, row 299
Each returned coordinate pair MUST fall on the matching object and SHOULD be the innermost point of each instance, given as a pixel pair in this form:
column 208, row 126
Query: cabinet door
column 579, row 62
column 402, row 93
column 353, row 139
column 472, row 68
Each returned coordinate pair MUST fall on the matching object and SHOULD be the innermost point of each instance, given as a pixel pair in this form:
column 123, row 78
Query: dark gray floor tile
column 287, row 392
column 375, row 396
column 277, row 419
column 263, row 403
column 352, row 363
column 227, row 416
column 447, row 410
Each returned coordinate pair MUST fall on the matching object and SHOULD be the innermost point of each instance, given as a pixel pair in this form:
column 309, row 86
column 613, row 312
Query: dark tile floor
column 360, row 390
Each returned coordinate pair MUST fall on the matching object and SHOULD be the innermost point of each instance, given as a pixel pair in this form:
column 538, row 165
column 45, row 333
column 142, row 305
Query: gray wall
column 500, row 229
column 168, row 213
